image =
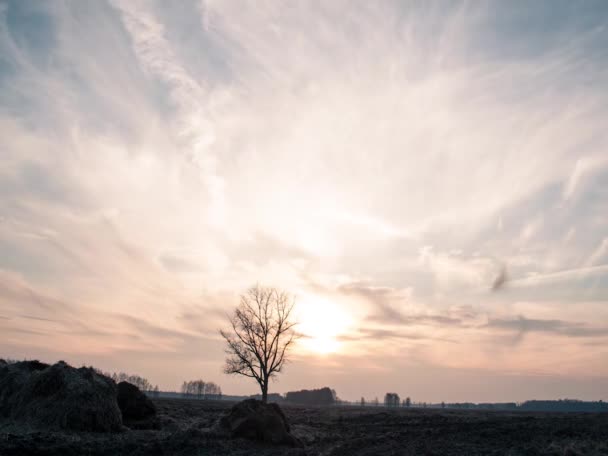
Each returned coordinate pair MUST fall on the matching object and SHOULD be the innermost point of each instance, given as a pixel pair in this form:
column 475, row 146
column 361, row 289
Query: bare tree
column 260, row 336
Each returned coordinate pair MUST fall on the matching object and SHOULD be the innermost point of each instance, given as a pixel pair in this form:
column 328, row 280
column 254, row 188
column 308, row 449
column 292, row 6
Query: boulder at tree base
column 255, row 420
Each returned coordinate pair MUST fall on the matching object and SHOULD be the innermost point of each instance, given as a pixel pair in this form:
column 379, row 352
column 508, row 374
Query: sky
column 428, row 179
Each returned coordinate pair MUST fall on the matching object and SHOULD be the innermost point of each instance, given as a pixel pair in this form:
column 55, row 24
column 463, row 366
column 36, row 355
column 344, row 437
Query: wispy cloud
column 523, row 325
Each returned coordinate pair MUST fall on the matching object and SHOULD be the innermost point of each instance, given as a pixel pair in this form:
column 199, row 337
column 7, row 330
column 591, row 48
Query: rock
column 138, row 411
column 59, row 396
column 255, row 420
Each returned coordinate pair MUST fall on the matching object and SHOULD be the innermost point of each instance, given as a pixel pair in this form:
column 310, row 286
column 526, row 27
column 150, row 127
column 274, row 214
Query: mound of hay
column 138, row 411
column 255, row 420
column 59, row 396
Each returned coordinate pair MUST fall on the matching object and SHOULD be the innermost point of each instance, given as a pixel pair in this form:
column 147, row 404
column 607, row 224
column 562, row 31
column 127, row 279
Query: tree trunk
column 265, row 392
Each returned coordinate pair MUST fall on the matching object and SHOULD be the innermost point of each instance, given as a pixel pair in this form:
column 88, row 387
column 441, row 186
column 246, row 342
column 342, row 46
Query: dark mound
column 58, row 396
column 255, row 420
column 138, row 411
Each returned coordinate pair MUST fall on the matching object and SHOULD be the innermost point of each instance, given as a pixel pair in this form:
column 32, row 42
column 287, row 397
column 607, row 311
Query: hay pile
column 138, row 411
column 58, row 396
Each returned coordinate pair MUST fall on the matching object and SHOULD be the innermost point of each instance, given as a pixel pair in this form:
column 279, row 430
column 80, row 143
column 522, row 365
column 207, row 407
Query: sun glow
column 321, row 323
column 322, row 345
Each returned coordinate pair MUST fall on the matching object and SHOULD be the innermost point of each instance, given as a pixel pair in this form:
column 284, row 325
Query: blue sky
column 382, row 161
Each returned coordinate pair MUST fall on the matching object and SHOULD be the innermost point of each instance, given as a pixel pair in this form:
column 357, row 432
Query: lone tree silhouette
column 260, row 336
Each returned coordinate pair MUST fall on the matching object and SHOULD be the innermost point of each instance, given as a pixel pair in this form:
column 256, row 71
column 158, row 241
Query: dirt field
column 334, row 431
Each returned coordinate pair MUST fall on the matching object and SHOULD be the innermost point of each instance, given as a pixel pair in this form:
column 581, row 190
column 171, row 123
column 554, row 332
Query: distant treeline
column 142, row 383
column 201, row 389
column 565, row 405
column 561, row 405
column 323, row 396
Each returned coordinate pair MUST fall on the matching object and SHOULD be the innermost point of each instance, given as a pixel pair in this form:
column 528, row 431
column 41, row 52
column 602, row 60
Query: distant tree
column 212, row 389
column 155, row 391
column 376, row 402
column 362, row 401
column 260, row 336
column 442, row 404
column 391, row 399
column 407, row 402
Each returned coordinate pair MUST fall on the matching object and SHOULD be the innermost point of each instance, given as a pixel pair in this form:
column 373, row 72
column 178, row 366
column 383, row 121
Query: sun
column 321, row 323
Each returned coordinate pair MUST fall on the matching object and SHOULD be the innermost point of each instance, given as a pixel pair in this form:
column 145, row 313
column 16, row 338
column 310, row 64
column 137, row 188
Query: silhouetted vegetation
column 260, row 336
column 562, row 405
column 141, row 382
column 392, row 400
column 323, row 396
column 565, row 405
column 201, row 389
